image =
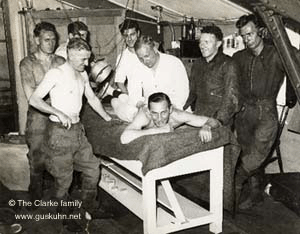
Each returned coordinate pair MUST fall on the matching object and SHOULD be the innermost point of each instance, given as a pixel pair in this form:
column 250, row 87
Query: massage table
column 152, row 198
column 137, row 174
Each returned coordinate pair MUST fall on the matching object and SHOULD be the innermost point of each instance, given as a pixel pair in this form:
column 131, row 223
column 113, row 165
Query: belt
column 59, row 124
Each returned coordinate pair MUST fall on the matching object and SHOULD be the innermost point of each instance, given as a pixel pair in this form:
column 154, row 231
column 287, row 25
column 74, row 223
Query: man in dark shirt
column 214, row 89
column 214, row 79
column 257, row 123
column 33, row 69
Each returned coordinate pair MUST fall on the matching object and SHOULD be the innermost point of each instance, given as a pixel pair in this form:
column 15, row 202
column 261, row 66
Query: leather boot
column 72, row 225
column 91, row 205
column 256, row 192
column 36, row 186
column 35, row 190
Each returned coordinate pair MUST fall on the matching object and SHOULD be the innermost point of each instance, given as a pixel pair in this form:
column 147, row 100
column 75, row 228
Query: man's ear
column 263, row 32
column 147, row 112
column 37, row 40
column 138, row 33
column 171, row 109
column 70, row 35
column 219, row 43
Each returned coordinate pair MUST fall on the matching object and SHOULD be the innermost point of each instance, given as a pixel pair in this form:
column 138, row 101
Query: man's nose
column 146, row 60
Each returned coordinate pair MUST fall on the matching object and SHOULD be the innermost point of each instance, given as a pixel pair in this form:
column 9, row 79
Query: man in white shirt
column 130, row 31
column 125, row 106
column 159, row 73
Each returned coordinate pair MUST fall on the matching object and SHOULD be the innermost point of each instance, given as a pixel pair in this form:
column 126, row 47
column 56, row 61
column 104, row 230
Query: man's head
column 146, row 51
column 78, row 52
column 160, row 108
column 249, row 27
column 130, row 31
column 78, row 29
column 45, row 37
column 211, row 39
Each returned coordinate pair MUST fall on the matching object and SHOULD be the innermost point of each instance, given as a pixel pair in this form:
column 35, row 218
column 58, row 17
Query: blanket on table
column 158, row 150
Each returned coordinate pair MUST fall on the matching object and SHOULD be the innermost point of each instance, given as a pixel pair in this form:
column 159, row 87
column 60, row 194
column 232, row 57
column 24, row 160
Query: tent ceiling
column 174, row 10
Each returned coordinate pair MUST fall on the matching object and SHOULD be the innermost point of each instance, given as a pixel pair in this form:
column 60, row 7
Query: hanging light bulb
column 159, row 10
column 159, row 18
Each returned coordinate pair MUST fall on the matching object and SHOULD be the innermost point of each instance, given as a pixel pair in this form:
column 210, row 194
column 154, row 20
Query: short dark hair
column 127, row 24
column 79, row 44
column 245, row 19
column 215, row 30
column 44, row 26
column 143, row 40
column 159, row 97
column 77, row 26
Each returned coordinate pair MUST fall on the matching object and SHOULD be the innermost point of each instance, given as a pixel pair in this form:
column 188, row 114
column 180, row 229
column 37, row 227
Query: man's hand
column 140, row 104
column 205, row 134
column 108, row 118
column 213, row 123
column 65, row 120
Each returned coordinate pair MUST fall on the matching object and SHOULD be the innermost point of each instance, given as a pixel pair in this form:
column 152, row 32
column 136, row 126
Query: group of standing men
column 238, row 92
column 241, row 91
column 146, row 71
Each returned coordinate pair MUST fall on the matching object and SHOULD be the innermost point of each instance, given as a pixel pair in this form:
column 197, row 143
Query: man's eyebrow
column 126, row 34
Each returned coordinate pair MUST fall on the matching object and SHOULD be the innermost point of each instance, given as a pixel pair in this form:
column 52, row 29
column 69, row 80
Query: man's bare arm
column 194, row 120
column 184, row 117
column 36, row 99
column 27, row 77
column 204, row 122
column 95, row 102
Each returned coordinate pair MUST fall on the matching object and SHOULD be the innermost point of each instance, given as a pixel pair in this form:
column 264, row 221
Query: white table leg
column 149, row 205
column 216, row 196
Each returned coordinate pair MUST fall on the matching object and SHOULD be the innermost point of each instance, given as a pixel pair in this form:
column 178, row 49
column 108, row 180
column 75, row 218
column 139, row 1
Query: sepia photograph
column 149, row 116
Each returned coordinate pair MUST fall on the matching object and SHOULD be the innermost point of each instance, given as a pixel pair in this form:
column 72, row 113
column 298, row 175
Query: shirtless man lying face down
column 161, row 117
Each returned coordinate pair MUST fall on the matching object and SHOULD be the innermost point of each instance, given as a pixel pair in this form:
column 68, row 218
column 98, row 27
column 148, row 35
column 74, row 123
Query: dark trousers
column 68, row 150
column 256, row 126
column 35, row 131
